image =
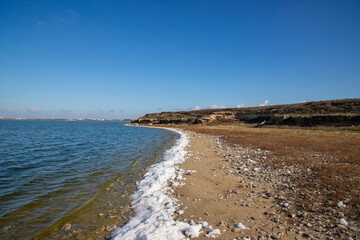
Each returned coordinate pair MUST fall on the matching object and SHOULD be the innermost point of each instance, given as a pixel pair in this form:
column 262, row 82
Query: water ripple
column 48, row 168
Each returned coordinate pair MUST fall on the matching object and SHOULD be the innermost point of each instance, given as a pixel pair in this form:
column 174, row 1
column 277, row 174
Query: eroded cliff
column 344, row 112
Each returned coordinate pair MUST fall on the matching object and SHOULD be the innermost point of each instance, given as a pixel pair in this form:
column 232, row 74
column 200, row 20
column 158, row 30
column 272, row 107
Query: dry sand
column 224, row 194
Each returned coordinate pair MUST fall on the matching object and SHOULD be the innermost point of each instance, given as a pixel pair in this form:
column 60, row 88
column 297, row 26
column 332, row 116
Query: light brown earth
column 279, row 183
column 219, row 196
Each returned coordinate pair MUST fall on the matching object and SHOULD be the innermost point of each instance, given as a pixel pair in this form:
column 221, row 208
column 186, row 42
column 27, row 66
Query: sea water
column 153, row 204
column 77, row 174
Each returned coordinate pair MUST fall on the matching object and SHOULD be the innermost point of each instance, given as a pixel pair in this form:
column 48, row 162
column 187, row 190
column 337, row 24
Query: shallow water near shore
column 81, row 173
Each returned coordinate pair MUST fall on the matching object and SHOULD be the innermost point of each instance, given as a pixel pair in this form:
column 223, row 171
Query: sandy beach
column 225, row 195
column 238, row 190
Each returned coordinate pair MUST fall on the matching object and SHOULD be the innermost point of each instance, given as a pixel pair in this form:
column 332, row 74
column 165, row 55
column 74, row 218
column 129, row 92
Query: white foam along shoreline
column 154, row 209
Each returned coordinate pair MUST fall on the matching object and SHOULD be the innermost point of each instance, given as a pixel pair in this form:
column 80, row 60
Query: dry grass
column 332, row 156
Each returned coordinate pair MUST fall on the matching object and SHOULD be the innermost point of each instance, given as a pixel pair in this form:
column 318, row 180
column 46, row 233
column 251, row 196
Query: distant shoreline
column 70, row 119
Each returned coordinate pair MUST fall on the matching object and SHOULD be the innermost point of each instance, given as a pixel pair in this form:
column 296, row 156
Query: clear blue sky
column 122, row 59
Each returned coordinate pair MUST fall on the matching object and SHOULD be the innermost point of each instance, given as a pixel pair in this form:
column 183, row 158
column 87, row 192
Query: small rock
column 343, row 222
column 180, row 212
column 306, row 235
column 300, row 214
column 240, row 226
column 236, row 230
column 221, row 223
column 109, row 228
column 6, row 228
column 66, row 227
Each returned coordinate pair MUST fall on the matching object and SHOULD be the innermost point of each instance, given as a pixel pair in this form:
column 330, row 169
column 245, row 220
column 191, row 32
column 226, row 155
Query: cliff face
column 344, row 112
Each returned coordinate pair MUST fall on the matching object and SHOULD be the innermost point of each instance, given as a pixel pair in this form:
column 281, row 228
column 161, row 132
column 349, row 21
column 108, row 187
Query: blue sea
column 72, row 179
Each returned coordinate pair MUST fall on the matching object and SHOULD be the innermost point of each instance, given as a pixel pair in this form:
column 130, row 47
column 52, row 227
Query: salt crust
column 213, row 234
column 154, row 209
column 240, row 225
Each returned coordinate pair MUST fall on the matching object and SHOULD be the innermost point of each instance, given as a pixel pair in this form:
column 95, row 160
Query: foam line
column 154, row 209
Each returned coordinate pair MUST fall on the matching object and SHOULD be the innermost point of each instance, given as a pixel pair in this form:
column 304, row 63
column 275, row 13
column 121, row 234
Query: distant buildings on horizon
column 67, row 119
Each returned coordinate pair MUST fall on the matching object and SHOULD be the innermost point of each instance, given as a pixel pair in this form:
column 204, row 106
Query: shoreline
column 220, row 188
column 116, row 194
column 198, row 213
column 153, row 205
column 234, row 190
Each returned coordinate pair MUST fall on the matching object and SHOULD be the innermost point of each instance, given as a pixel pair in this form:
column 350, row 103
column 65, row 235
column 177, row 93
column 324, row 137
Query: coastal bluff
column 334, row 113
